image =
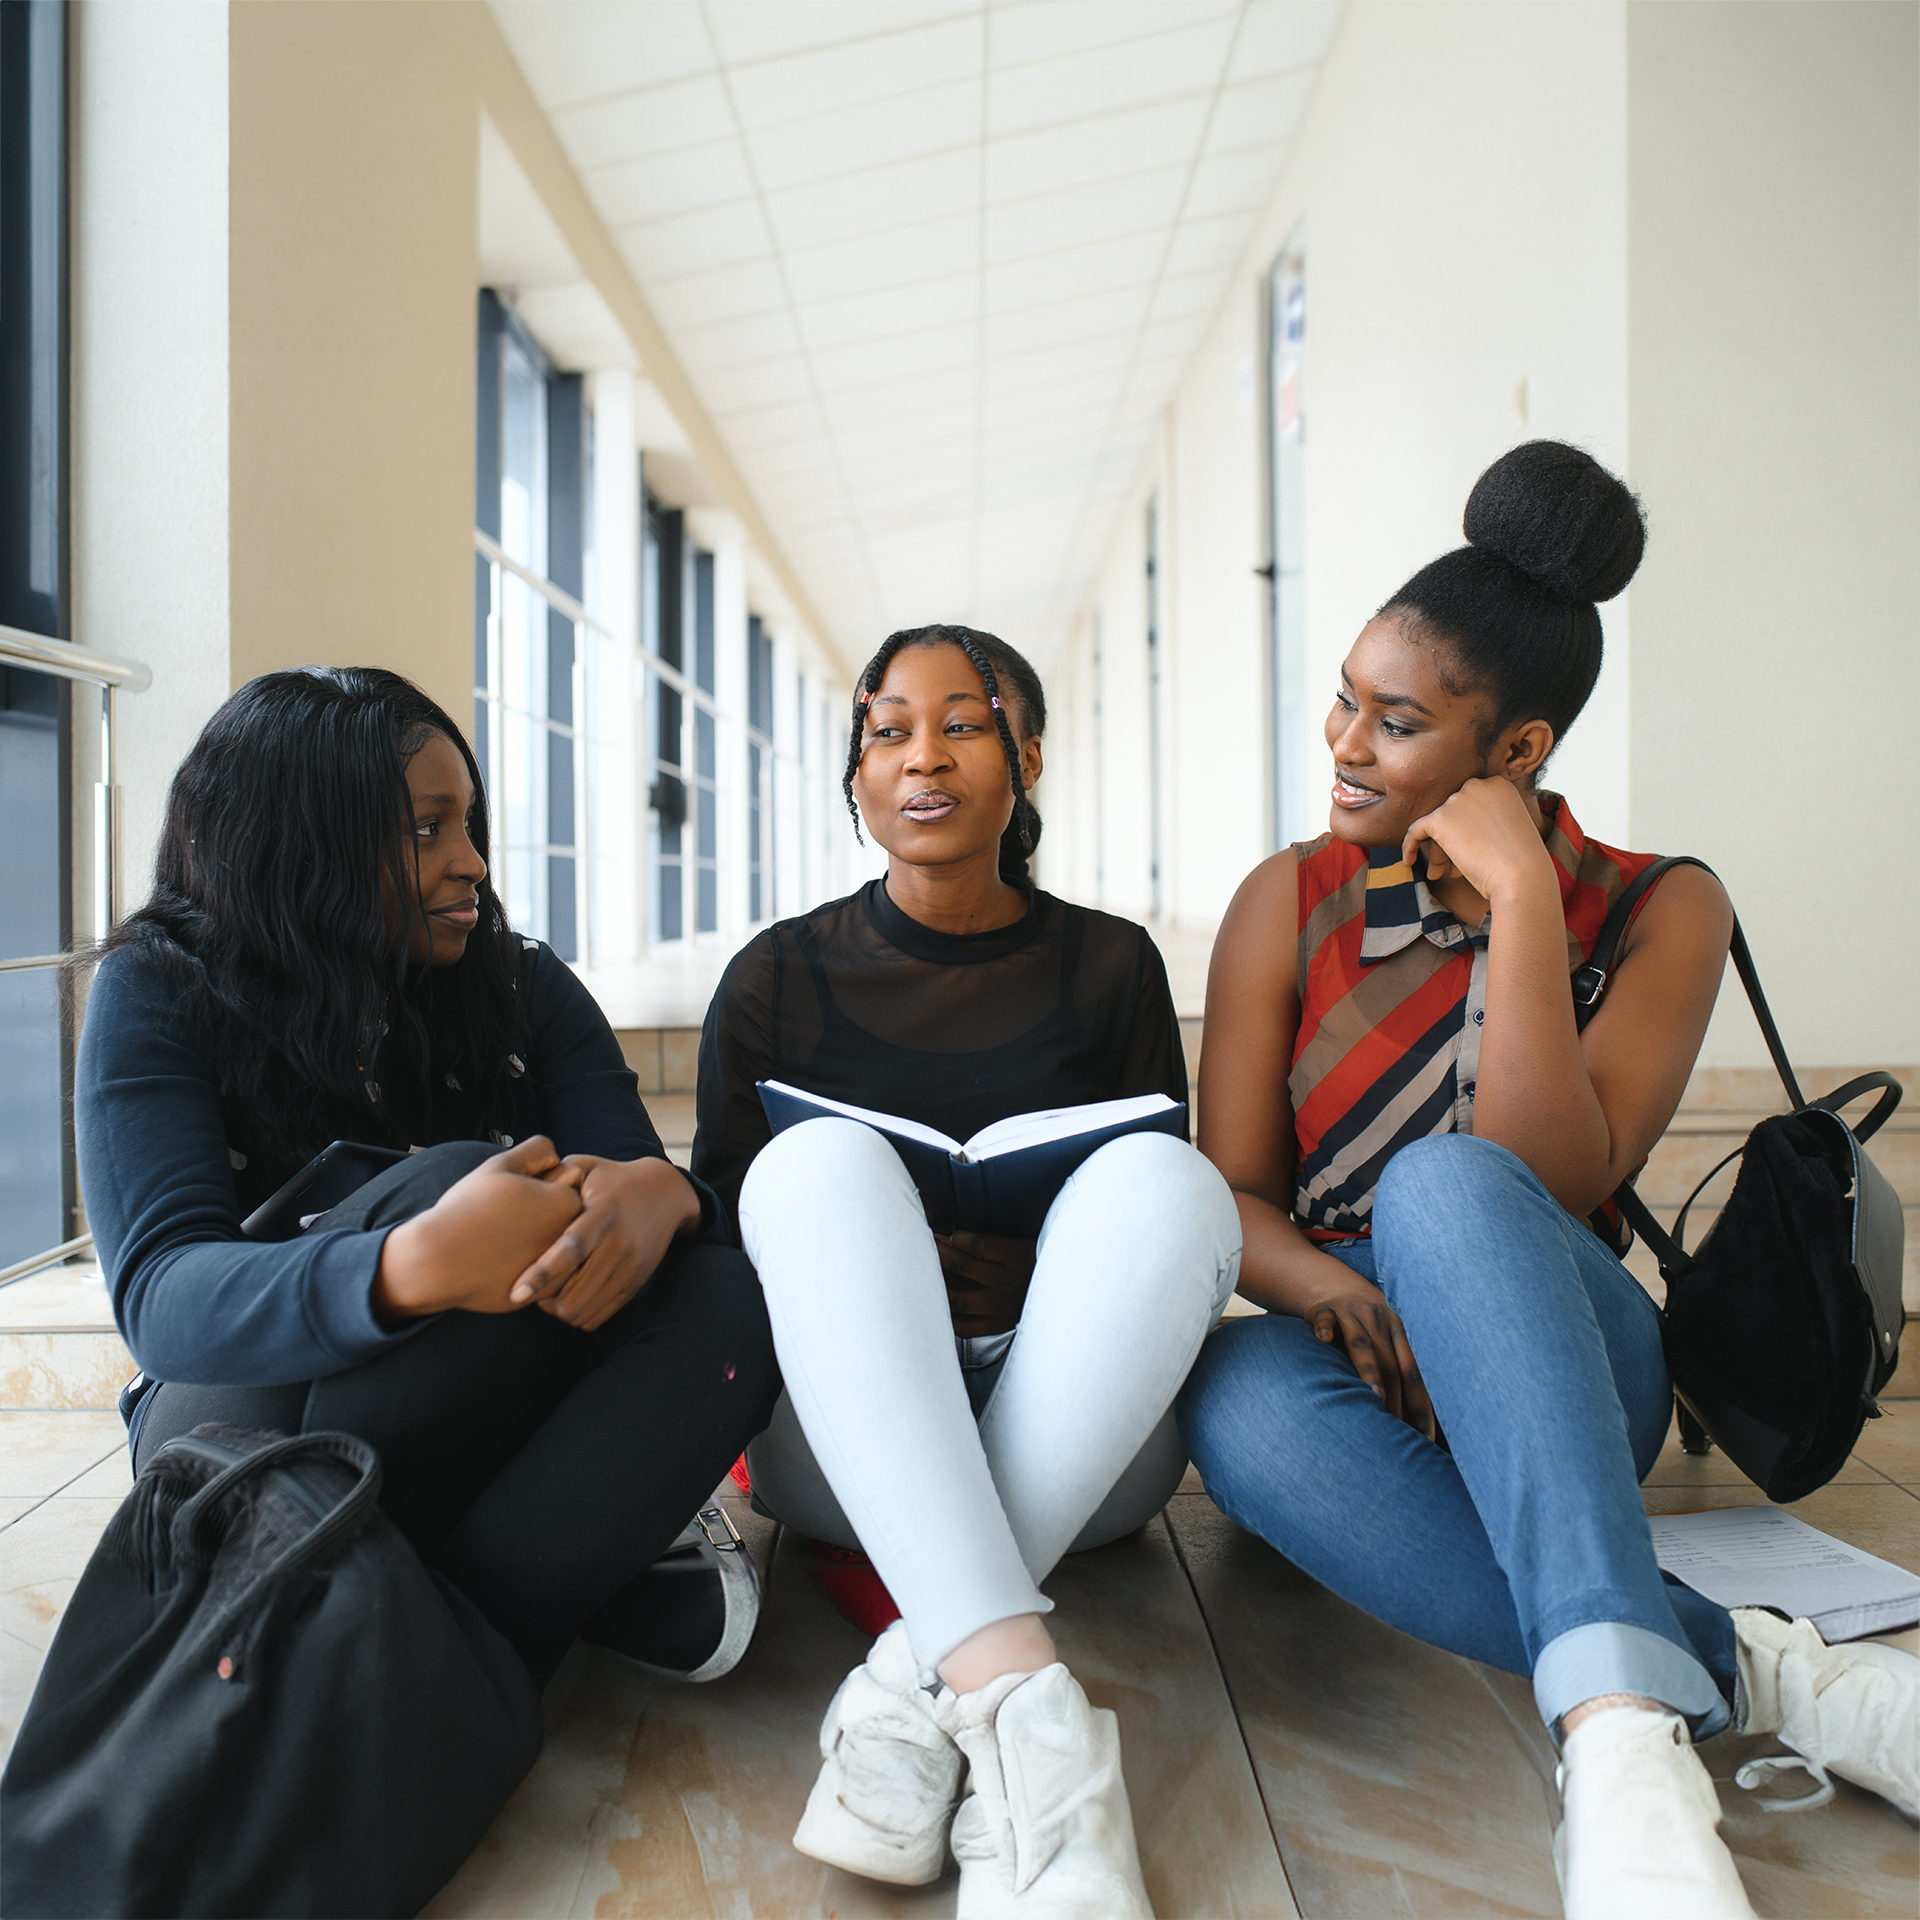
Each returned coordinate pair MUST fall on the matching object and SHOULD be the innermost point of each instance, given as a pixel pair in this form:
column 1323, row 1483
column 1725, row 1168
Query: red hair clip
column 866, row 694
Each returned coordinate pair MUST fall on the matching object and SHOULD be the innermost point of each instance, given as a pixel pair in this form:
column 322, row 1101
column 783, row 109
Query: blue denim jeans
column 1523, row 1543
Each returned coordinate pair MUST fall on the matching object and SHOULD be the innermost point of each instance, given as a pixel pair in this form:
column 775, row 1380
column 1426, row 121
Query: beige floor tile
column 1855, row 1857
column 19, row 1669
column 12, row 1506
column 1401, row 1781
column 1130, row 1628
column 1892, row 1443
column 1905, row 1384
column 42, row 1556
column 1882, row 1519
column 112, row 1479
column 1421, row 1785
column 41, row 1451
column 654, row 1799
column 1705, row 1470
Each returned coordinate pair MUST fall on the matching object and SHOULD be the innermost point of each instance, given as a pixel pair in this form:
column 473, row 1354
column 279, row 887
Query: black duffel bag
column 1784, row 1322
column 259, row 1702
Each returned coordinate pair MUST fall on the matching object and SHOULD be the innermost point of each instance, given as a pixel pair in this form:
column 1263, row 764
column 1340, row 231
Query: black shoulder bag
column 260, row 1702
column 1784, row 1322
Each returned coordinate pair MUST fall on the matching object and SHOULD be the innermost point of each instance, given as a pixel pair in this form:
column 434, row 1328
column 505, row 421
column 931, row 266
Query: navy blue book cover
column 993, row 1183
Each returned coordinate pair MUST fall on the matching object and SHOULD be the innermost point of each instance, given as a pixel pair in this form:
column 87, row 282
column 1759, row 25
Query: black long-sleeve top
column 858, row 1002
column 167, row 1183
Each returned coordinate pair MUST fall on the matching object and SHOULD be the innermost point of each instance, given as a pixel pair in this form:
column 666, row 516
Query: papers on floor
column 1761, row 1557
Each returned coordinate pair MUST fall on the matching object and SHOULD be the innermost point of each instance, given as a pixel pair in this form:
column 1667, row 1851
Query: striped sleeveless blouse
column 1392, row 1002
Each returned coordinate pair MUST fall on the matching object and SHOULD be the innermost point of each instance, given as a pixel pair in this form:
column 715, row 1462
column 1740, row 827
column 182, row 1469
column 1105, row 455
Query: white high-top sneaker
column 1045, row 1829
column 1638, row 1837
column 1853, row 1709
column 889, row 1774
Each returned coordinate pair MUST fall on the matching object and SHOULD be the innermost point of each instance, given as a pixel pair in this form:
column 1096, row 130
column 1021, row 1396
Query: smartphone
column 326, row 1180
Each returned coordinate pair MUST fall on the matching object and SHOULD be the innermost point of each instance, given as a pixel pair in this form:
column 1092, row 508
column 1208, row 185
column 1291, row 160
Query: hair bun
column 1560, row 517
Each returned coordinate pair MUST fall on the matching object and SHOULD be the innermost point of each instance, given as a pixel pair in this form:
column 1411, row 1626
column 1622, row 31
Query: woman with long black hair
column 533, row 1315
column 1445, row 1412
column 967, row 1407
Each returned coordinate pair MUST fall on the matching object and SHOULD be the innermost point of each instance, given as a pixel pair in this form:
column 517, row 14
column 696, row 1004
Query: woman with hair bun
column 970, row 1407
column 1422, row 1147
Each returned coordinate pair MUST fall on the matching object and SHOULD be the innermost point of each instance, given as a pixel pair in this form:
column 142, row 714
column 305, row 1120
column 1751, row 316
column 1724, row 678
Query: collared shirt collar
column 1400, row 910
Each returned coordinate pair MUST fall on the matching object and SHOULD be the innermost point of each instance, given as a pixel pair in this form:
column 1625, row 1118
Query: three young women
column 968, row 1407
column 1446, row 1411
column 534, row 1315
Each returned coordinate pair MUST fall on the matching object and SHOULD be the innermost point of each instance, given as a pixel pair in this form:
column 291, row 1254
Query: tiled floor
column 1285, row 1754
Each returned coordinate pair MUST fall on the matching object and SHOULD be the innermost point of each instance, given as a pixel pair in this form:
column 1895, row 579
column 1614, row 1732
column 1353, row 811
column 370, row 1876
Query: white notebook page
column 1759, row 1556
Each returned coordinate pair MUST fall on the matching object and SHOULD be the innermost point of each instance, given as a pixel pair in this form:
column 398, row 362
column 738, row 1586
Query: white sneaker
column 1045, row 1828
column 889, row 1775
column 1638, row 1837
column 1853, row 1709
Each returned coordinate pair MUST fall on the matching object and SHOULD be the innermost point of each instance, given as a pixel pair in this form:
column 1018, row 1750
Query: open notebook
column 1007, row 1175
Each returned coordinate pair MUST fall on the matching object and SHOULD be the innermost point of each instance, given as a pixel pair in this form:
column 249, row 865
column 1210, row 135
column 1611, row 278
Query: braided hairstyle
column 999, row 666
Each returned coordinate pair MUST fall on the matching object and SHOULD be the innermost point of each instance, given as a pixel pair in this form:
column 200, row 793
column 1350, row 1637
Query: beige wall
column 354, row 259
column 1461, row 177
column 275, row 256
column 1693, row 231
column 148, row 244
column 1775, row 421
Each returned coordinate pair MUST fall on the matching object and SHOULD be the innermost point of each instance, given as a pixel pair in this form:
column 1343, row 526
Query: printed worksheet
column 1762, row 1557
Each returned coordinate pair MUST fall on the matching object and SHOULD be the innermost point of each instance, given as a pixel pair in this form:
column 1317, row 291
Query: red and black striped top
column 1392, row 1003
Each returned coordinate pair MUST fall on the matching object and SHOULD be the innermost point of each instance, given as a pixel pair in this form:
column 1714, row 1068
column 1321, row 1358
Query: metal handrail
column 66, row 661
column 36, row 1261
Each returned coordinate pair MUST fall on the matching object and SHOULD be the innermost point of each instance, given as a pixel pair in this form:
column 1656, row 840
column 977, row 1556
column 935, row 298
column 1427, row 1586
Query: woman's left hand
column 630, row 1212
column 1485, row 835
column 987, row 1276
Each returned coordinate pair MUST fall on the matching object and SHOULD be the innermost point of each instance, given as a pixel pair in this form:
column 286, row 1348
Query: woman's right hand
column 474, row 1242
column 1355, row 1317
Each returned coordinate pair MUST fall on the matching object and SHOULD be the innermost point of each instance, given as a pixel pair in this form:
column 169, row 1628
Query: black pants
column 539, row 1468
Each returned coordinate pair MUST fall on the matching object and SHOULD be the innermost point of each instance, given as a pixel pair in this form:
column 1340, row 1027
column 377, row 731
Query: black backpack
column 1784, row 1322
column 260, row 1702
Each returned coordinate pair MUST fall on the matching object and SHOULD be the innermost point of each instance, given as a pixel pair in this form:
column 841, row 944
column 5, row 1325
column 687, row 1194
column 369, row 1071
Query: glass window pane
column 560, row 758
column 32, row 1144
column 709, row 900
column 668, row 925
column 562, row 934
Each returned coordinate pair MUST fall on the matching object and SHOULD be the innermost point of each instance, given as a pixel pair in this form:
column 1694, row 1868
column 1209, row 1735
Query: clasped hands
column 987, row 1275
column 577, row 1237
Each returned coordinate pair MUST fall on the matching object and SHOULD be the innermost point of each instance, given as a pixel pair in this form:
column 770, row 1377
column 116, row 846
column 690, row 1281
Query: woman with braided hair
column 968, row 1407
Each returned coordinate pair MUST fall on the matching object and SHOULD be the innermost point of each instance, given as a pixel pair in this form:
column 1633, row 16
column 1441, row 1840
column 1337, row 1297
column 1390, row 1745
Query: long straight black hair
column 284, row 898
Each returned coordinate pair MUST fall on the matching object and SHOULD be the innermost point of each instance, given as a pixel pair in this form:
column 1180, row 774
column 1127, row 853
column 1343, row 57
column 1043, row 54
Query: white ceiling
column 934, row 266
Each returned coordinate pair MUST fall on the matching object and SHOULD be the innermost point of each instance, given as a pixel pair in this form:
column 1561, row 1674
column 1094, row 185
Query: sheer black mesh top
column 858, row 1002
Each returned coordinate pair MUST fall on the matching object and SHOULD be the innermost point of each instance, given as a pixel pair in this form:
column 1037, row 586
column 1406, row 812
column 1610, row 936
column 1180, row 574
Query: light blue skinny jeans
column 1524, row 1543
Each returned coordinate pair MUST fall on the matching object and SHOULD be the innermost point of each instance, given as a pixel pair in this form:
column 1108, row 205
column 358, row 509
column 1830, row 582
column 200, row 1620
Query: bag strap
column 1890, row 1096
column 1590, row 982
column 332, row 1524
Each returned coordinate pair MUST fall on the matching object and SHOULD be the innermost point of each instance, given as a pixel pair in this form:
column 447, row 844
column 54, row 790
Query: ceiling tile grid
column 934, row 267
